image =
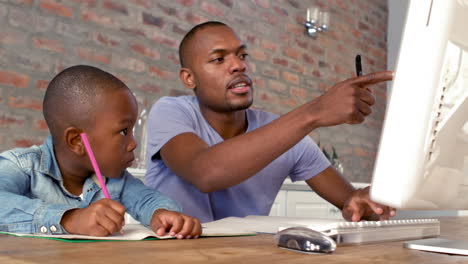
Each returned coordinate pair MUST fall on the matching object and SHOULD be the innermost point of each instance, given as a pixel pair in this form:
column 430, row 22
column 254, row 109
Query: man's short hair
column 185, row 43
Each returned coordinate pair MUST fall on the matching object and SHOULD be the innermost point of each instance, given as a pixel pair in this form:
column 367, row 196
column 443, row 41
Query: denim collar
column 49, row 163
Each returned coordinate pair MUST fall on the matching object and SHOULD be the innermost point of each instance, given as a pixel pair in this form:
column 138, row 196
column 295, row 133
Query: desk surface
column 251, row 249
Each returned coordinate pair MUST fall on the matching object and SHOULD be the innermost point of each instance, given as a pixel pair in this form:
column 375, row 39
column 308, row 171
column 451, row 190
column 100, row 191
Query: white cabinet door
column 309, row 204
column 279, row 205
column 306, row 204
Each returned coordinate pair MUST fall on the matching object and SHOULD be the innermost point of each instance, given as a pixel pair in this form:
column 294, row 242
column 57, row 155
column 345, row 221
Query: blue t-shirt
column 171, row 116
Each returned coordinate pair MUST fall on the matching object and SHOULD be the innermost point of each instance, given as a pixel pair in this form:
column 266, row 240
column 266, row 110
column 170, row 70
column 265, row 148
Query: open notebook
column 138, row 232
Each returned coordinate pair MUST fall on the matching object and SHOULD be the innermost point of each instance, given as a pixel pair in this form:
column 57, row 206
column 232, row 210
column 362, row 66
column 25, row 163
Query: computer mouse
column 305, row 240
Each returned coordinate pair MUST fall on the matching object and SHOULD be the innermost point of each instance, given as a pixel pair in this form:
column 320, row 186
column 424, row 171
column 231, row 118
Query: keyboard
column 378, row 231
column 342, row 231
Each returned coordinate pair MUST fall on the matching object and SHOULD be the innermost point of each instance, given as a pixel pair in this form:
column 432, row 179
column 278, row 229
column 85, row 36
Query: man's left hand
column 360, row 207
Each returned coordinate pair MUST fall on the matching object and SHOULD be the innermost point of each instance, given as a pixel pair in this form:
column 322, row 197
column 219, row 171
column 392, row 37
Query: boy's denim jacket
column 33, row 198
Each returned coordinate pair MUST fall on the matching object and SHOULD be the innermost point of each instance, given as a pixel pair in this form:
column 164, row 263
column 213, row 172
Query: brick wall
column 137, row 41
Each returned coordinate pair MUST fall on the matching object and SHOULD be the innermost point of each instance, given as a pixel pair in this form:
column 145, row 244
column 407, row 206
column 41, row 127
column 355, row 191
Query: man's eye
column 244, row 56
column 124, row 131
column 217, row 60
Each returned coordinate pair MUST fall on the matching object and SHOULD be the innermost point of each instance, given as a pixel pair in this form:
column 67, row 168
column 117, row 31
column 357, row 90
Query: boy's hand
column 101, row 218
column 177, row 224
column 359, row 206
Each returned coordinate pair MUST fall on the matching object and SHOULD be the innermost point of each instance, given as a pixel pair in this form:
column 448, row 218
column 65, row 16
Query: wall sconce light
column 316, row 21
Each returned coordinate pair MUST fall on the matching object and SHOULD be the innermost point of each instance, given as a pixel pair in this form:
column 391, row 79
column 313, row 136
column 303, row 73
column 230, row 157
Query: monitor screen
column 422, row 161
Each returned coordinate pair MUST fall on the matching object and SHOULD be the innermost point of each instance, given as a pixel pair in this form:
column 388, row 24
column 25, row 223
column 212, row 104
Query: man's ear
column 73, row 140
column 187, row 78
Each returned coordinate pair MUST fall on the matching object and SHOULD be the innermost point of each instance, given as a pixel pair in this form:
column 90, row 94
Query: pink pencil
column 95, row 165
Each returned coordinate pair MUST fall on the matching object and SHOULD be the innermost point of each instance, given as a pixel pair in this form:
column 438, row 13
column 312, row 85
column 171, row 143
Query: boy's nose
column 132, row 145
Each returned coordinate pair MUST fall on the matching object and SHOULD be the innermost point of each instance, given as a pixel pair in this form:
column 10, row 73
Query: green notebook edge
column 104, row 240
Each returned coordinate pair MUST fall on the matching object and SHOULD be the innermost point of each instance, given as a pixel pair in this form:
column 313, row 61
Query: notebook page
column 130, row 232
column 139, row 232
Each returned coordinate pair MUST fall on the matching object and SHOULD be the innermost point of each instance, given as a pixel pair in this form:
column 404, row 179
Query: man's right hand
column 349, row 101
column 101, row 218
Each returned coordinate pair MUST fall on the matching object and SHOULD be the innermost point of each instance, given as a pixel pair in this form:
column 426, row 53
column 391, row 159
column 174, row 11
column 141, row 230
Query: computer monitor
column 422, row 160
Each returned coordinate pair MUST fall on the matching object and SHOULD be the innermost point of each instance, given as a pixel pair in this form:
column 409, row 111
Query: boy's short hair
column 70, row 97
column 184, row 44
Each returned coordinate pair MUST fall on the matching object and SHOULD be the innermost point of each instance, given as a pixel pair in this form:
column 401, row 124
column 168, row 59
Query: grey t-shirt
column 171, row 116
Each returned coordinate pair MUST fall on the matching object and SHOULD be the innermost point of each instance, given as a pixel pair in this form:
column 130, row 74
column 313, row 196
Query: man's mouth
column 240, row 88
column 240, row 85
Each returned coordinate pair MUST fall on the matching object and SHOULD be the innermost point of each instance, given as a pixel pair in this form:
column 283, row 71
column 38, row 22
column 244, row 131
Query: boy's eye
column 244, row 56
column 124, row 131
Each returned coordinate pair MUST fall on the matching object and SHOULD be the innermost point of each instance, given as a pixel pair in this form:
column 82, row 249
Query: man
column 218, row 158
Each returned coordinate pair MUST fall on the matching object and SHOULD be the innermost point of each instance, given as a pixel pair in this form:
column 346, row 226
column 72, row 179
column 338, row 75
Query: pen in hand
column 94, row 163
column 358, row 65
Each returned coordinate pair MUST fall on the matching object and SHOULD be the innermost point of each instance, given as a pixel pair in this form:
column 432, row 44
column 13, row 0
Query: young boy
column 52, row 189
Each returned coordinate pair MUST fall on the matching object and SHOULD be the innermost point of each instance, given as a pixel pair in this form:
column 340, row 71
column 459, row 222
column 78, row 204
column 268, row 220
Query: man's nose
column 237, row 65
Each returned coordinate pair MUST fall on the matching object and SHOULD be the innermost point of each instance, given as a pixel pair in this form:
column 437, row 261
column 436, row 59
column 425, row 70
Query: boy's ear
column 73, row 140
column 187, row 78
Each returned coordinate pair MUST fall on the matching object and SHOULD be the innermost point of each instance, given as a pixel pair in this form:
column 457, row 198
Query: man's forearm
column 332, row 186
column 235, row 160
